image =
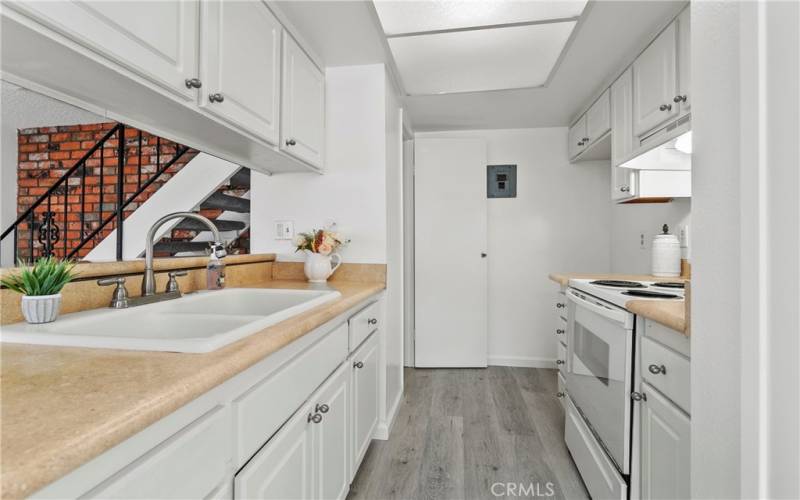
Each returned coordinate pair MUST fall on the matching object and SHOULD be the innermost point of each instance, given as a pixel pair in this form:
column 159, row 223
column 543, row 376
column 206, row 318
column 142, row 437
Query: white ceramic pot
column 41, row 308
column 319, row 267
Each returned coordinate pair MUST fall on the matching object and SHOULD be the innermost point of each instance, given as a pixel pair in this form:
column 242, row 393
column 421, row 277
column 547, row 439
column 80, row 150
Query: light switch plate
column 284, row 230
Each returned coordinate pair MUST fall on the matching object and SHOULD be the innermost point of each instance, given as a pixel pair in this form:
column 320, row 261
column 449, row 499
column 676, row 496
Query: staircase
column 101, row 206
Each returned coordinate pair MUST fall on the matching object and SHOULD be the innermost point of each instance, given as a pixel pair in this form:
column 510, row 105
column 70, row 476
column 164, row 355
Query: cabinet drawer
column 190, row 464
column 265, row 407
column 561, row 360
column 561, row 330
column 363, row 323
column 560, row 305
column 598, row 473
column 562, row 390
column 667, row 371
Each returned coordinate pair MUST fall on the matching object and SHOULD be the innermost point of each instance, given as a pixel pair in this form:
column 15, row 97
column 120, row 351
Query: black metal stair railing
column 70, row 191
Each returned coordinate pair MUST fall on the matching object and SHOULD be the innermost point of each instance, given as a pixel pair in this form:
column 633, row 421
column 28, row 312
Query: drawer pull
column 559, row 394
column 560, row 361
column 315, row 418
column 322, row 408
column 638, row 396
column 656, row 369
column 560, row 305
column 559, row 331
column 372, row 321
column 358, row 364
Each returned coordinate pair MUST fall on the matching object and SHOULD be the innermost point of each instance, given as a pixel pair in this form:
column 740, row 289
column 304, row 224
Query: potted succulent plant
column 320, row 248
column 40, row 286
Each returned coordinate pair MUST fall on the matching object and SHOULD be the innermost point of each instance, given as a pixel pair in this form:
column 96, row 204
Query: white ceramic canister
column 666, row 258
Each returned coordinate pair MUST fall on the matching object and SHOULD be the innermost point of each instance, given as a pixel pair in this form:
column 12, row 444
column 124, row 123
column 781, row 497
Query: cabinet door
column 365, row 396
column 622, row 117
column 665, row 448
column 684, row 63
column 623, row 183
column 303, row 105
column 240, row 62
column 598, row 118
column 576, row 138
column 156, row 40
column 283, row 469
column 655, row 83
column 332, row 436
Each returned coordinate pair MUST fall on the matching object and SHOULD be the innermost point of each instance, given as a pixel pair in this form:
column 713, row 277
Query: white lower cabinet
column 332, row 436
column 665, row 448
column 364, row 363
column 283, row 469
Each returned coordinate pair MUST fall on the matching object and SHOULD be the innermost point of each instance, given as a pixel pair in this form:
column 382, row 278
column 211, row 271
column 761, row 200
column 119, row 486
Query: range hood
column 674, row 154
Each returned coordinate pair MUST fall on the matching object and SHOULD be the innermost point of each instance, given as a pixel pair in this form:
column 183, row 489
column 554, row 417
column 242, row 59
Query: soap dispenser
column 666, row 254
column 215, row 273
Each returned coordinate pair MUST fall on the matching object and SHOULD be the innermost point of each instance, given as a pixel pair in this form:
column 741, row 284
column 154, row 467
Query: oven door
column 599, row 371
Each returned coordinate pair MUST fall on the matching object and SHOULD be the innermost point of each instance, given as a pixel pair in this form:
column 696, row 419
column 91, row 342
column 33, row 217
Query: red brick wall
column 46, row 153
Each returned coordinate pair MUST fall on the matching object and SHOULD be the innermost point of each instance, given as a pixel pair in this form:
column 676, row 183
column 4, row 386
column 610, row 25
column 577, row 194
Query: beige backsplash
column 241, row 270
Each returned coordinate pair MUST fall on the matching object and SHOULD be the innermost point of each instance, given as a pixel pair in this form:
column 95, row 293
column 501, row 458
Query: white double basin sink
column 198, row 322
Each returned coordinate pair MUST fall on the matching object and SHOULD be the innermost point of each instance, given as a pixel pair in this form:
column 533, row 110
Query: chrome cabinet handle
column 580, row 143
column 372, row 321
column 358, row 364
column 559, row 331
column 193, row 83
column 656, row 369
column 315, row 418
column 625, row 189
column 216, row 97
column 679, row 98
column 291, row 142
column 560, row 305
column 585, row 140
column 638, row 396
column 560, row 394
column 322, row 408
column 560, row 361
column 665, row 107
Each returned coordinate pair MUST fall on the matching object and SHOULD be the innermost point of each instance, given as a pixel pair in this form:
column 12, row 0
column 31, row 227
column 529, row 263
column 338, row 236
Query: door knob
column 559, row 331
column 625, row 189
column 560, row 361
column 638, row 396
column 291, row 142
column 656, row 369
column 372, row 321
column 322, row 408
column 358, row 364
column 679, row 98
column 585, row 140
column 193, row 83
column 665, row 107
column 216, row 97
column 559, row 394
column 315, row 418
column 483, row 255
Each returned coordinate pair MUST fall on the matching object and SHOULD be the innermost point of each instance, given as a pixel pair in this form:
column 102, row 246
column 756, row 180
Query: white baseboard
column 383, row 429
column 522, row 361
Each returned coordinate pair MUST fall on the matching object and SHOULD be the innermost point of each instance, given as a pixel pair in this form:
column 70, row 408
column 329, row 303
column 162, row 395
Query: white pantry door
column 450, row 273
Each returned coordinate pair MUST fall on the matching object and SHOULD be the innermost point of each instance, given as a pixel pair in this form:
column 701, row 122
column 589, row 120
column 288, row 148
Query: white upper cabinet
column 576, row 138
column 655, row 83
column 683, row 96
column 240, row 62
column 156, row 40
column 598, row 118
column 303, row 105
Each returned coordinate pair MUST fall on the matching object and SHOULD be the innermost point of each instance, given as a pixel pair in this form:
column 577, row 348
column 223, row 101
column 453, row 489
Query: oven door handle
column 616, row 315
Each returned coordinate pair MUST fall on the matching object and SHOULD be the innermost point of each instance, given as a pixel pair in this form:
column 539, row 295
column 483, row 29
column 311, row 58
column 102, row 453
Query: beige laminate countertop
column 62, row 406
column 667, row 312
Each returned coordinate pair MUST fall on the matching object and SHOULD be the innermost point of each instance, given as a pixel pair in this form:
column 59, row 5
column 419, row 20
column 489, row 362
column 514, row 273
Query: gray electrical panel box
column 501, row 181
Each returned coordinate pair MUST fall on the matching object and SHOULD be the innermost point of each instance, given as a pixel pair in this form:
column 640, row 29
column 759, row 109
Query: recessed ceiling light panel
column 492, row 59
column 414, row 16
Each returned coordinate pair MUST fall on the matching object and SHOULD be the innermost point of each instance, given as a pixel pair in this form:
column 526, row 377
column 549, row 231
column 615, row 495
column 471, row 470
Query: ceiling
column 609, row 35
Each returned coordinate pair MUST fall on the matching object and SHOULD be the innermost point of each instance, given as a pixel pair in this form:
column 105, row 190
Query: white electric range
column 600, row 378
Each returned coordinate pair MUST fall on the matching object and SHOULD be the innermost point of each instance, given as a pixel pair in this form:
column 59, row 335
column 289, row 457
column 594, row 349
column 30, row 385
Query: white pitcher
column 318, row 267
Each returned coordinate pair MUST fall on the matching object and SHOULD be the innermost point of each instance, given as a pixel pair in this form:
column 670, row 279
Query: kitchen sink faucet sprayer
column 217, row 251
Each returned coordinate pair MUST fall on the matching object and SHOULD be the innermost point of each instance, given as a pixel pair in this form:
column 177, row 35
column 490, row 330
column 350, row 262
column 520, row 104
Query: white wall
column 352, row 192
column 560, row 221
column 630, row 221
column 22, row 108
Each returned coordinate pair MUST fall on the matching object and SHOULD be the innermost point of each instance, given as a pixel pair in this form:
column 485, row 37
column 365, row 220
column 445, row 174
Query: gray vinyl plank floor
column 473, row 434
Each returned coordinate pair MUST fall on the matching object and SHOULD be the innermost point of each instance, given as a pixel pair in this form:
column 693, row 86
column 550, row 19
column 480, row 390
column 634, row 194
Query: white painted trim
column 383, row 429
column 522, row 361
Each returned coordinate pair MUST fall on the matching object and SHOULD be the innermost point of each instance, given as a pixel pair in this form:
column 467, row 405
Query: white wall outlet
column 284, row 230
